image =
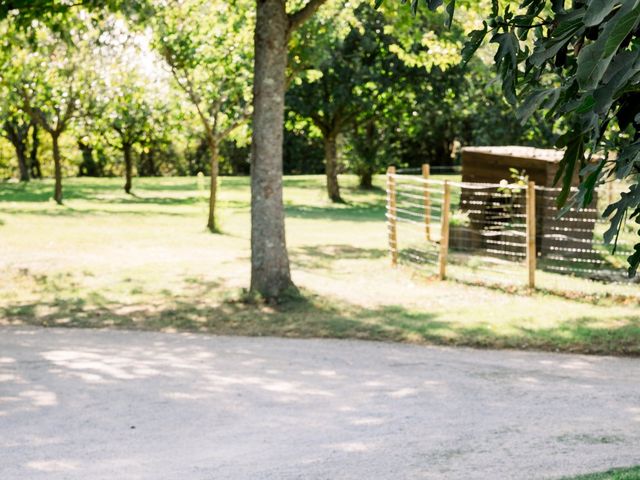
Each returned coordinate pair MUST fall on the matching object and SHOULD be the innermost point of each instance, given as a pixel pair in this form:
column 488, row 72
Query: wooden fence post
column 531, row 233
column 444, row 232
column 427, row 201
column 392, row 215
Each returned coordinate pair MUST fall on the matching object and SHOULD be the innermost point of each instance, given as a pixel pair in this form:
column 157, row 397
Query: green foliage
column 207, row 47
column 580, row 63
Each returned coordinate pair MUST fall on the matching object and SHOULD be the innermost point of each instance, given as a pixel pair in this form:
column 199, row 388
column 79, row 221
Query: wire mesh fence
column 503, row 233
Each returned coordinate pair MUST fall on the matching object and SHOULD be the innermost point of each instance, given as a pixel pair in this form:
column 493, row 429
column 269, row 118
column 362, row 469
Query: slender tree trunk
column 366, row 179
column 34, row 163
column 369, row 157
column 87, row 167
column 331, row 167
column 128, row 167
column 22, row 162
column 57, row 192
column 270, row 274
column 17, row 135
column 213, row 150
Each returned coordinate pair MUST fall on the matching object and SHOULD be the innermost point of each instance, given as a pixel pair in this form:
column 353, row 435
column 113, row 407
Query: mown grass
column 107, row 259
column 632, row 473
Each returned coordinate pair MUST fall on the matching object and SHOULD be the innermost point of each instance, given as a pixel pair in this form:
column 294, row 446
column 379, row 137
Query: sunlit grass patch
column 148, row 262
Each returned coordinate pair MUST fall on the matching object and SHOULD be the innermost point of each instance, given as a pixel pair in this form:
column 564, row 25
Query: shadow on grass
column 343, row 212
column 321, row 256
column 208, row 307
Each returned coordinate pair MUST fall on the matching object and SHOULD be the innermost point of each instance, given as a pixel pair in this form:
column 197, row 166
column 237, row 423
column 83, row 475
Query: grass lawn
column 106, row 259
column 617, row 474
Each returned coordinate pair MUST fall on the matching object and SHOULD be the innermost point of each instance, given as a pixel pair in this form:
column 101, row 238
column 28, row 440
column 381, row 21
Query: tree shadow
column 321, row 256
column 344, row 212
column 210, row 307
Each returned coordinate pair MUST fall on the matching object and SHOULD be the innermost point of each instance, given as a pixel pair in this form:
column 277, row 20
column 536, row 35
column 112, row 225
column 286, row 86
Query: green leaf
column 591, row 66
column 587, row 104
column 569, row 26
column 475, row 40
column 451, row 9
column 572, row 156
column 617, row 211
column 598, row 11
column 588, row 186
column 378, row 4
column 628, row 159
column 533, row 102
column 623, row 27
column 594, row 59
column 634, row 260
column 507, row 49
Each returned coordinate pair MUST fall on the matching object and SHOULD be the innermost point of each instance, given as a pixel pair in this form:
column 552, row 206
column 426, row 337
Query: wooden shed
column 574, row 231
column 492, row 164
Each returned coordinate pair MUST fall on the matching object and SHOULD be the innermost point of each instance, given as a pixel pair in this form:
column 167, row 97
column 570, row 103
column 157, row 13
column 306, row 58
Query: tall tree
column 129, row 114
column 270, row 273
column 207, row 47
column 49, row 75
column 15, row 127
column 350, row 82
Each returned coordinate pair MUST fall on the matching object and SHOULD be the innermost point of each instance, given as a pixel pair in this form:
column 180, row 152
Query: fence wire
column 487, row 234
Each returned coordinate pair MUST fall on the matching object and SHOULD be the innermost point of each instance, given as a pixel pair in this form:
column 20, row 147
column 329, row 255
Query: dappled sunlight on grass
column 107, row 259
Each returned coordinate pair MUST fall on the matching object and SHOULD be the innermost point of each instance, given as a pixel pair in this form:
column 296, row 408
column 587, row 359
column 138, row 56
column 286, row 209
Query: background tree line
column 121, row 100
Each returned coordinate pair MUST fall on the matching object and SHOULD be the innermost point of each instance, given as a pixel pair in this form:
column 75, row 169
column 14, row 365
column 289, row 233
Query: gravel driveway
column 96, row 404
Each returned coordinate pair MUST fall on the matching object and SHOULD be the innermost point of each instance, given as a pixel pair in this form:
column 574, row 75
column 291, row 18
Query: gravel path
column 95, row 404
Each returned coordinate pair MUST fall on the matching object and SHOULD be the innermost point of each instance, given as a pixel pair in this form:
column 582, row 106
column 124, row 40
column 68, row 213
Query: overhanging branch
column 296, row 19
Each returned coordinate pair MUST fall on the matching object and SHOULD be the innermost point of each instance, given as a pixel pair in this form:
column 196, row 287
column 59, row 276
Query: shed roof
column 547, row 155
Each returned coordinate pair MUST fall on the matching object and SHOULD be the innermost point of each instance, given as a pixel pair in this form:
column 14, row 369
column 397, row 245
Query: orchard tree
column 350, row 81
column 206, row 45
column 15, row 126
column 128, row 114
column 43, row 72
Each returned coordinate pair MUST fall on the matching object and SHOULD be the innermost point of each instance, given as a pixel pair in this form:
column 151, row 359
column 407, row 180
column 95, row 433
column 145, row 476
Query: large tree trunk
column 331, row 168
column 270, row 275
column 128, row 167
column 213, row 150
column 57, row 192
column 34, row 163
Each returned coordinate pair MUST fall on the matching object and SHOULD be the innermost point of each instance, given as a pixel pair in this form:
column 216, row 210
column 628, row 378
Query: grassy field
column 106, row 259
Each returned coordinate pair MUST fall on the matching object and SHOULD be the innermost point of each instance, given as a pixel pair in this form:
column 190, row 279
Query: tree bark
column 270, row 274
column 17, row 135
column 22, row 163
column 128, row 167
column 34, row 163
column 331, row 167
column 213, row 191
column 57, row 192
column 366, row 180
column 88, row 165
